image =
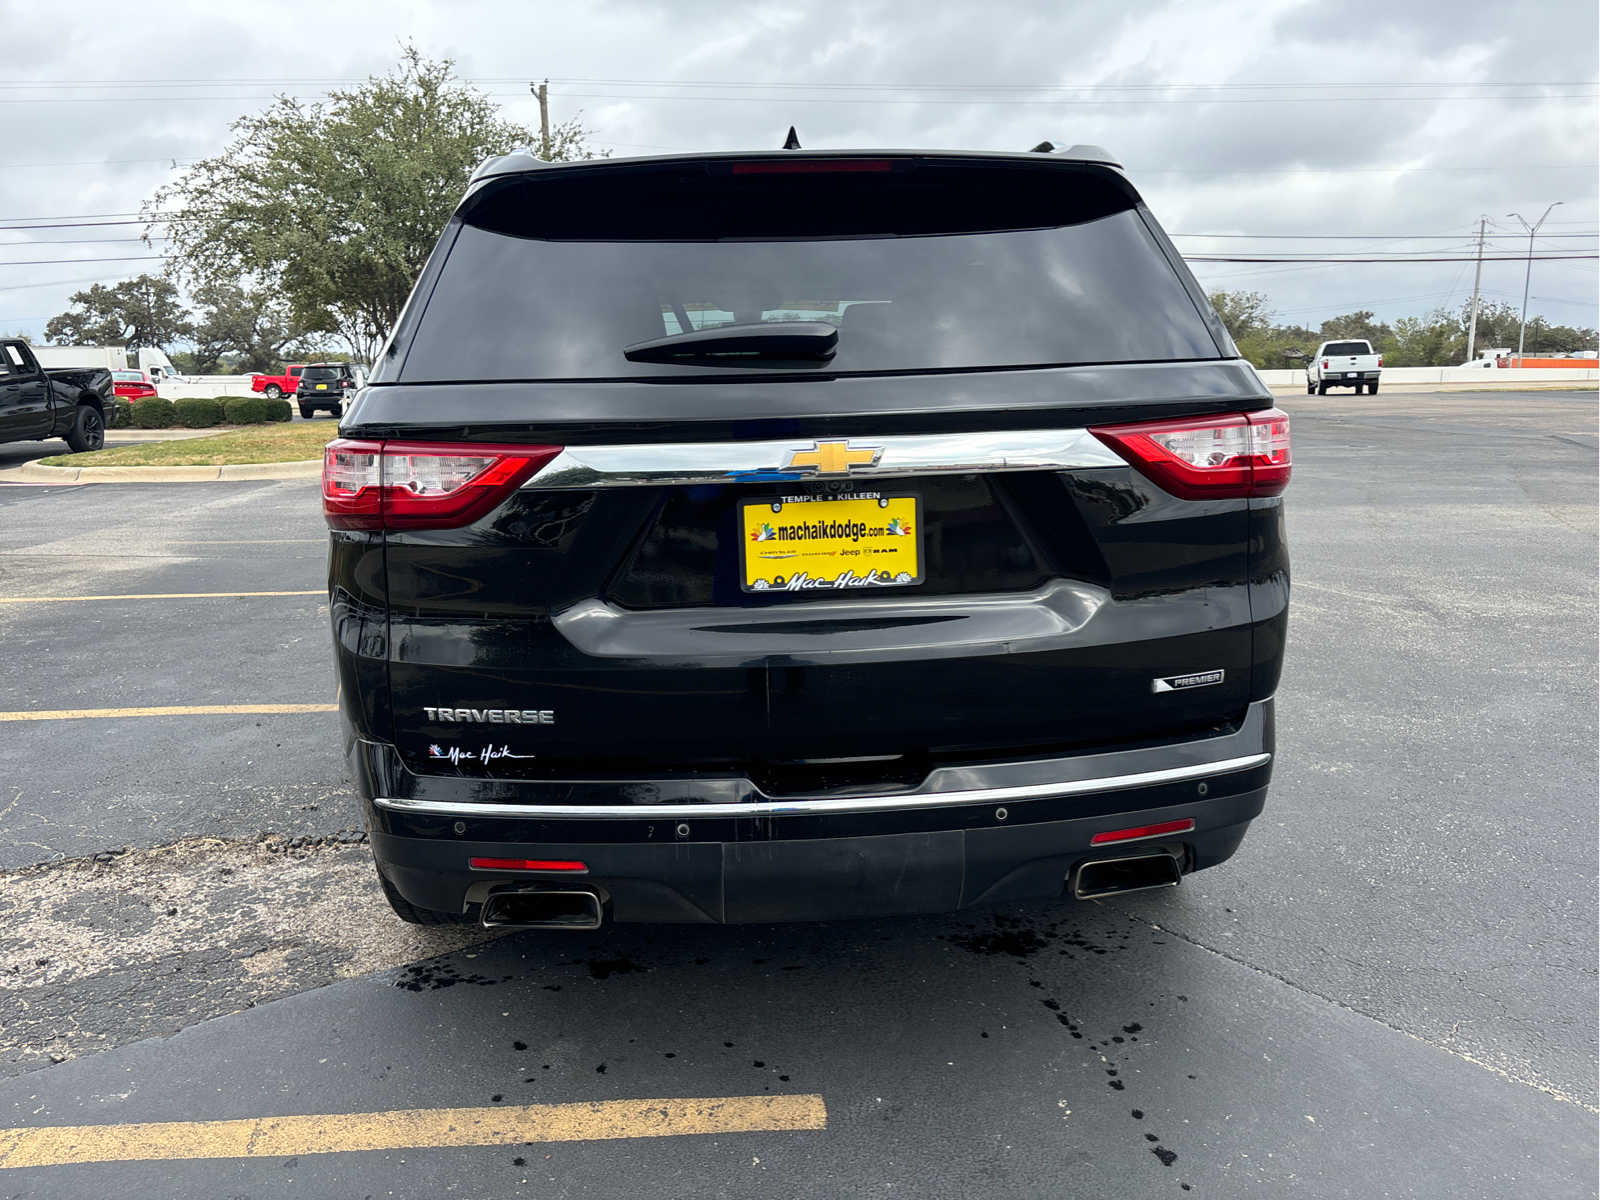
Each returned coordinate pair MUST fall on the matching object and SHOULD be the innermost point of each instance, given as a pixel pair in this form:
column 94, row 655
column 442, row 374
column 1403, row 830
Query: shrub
column 278, row 410
column 247, row 410
column 197, row 412
column 153, row 412
column 124, row 413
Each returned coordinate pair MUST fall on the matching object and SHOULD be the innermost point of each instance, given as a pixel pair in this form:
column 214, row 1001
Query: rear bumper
column 969, row 836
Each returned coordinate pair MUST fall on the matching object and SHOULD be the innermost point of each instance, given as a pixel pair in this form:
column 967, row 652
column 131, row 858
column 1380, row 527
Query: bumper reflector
column 1141, row 831
column 529, row 864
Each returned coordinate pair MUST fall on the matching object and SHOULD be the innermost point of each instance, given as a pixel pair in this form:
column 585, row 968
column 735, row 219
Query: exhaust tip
column 536, row 909
column 1113, row 876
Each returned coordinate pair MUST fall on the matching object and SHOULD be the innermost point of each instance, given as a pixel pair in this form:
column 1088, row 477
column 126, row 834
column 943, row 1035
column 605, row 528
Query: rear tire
column 88, row 430
column 412, row 915
column 1372, row 388
column 307, row 411
column 335, row 410
column 1322, row 389
column 273, row 391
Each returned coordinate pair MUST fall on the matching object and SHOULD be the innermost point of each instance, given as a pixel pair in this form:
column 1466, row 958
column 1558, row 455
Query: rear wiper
column 732, row 344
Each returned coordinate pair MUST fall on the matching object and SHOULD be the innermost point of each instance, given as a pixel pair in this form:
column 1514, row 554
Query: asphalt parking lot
column 1390, row 991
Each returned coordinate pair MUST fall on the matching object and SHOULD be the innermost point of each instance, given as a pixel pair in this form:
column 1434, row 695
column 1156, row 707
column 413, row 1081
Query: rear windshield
column 315, row 373
column 1095, row 288
column 1347, row 348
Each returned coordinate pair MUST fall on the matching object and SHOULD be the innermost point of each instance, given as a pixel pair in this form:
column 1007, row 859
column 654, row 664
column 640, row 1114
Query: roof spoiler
column 1083, row 150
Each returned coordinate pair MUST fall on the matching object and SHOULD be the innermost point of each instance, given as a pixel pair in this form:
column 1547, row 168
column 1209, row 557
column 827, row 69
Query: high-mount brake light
column 1209, row 458
column 814, row 166
column 418, row 485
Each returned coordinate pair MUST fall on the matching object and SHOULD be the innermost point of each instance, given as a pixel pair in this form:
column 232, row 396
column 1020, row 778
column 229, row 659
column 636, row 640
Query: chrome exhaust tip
column 1113, row 876
column 532, row 908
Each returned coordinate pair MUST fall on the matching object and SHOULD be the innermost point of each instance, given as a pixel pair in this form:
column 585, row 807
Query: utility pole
column 1522, row 333
column 1477, row 278
column 541, row 92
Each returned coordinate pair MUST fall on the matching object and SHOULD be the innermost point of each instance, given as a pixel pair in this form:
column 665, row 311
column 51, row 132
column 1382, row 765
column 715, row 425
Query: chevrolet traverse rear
column 804, row 535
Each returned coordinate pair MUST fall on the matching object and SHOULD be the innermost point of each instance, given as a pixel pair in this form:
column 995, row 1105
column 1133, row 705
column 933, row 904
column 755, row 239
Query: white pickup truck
column 1343, row 364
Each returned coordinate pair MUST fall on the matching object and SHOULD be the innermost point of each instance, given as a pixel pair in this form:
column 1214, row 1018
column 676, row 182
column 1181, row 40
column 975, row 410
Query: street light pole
column 1522, row 332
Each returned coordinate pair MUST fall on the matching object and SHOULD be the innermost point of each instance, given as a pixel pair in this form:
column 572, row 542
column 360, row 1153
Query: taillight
column 1204, row 458
column 1324, row 364
column 411, row 485
column 1380, row 360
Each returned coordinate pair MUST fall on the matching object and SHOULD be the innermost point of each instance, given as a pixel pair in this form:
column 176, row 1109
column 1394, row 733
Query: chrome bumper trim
column 725, row 462
column 769, row 807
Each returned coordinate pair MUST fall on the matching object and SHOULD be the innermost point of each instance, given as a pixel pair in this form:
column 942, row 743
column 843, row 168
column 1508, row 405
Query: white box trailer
column 112, row 358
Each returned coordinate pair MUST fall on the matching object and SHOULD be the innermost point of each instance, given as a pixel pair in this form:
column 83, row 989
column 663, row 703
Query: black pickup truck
column 74, row 403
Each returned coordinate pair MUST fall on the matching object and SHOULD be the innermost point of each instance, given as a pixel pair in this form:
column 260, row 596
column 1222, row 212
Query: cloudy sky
column 1358, row 129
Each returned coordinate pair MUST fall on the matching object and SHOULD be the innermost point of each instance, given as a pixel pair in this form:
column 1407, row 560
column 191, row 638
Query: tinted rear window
column 1348, row 348
column 316, row 373
column 940, row 270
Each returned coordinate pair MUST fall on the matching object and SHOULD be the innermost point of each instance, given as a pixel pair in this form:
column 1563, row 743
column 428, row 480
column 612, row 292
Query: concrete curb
column 1436, row 389
column 39, row 473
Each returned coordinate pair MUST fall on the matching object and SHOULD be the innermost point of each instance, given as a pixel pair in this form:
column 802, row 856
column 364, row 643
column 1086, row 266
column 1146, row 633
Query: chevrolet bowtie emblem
column 833, row 458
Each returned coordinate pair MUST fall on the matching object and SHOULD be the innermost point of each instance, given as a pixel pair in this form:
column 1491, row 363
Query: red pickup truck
column 278, row 385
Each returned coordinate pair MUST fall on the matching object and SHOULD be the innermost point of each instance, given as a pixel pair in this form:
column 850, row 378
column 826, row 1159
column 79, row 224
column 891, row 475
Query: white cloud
column 1233, row 161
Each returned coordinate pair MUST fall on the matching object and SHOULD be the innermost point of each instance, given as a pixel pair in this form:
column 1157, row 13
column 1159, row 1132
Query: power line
column 1099, row 85
column 987, row 100
column 101, row 162
column 161, row 220
column 951, row 87
column 81, row 241
column 41, row 262
column 861, row 99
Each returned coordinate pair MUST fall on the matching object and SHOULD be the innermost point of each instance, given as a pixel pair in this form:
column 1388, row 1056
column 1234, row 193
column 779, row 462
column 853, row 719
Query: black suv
column 804, row 535
column 324, row 385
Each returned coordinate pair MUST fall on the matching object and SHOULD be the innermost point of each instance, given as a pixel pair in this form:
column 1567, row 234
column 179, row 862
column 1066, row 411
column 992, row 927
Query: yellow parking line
column 417, row 1128
column 166, row 710
column 156, row 596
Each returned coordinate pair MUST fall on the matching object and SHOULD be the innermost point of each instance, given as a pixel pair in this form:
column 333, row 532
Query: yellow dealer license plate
column 798, row 544
column 322, row 387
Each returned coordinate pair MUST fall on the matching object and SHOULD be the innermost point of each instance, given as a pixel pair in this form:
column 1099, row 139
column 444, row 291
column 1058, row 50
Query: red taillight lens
column 1324, row 364
column 526, row 864
column 1204, row 458
column 1380, row 360
column 410, row 485
column 1142, row 831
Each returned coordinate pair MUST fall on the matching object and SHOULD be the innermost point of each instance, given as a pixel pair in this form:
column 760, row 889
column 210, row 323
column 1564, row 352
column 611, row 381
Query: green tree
column 249, row 330
column 1436, row 340
column 1499, row 324
column 1358, row 325
column 1242, row 313
column 339, row 203
column 141, row 312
